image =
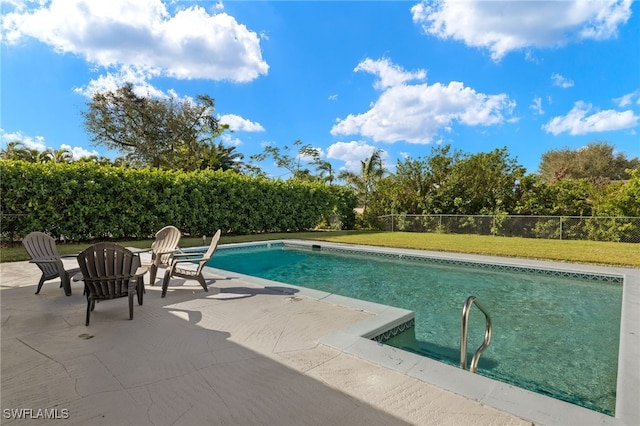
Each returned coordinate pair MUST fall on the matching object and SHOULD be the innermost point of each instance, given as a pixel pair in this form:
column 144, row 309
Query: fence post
column 392, row 216
column 561, row 227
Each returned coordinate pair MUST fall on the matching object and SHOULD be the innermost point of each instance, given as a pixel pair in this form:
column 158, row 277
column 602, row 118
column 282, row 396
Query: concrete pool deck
column 249, row 352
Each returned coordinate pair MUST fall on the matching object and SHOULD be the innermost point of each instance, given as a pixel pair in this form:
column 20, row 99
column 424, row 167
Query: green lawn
column 597, row 252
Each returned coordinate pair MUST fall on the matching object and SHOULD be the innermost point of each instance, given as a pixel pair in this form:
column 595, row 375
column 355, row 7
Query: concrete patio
column 240, row 354
column 249, row 351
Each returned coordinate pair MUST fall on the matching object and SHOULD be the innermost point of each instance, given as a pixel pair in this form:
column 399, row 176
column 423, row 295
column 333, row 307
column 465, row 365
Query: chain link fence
column 619, row 229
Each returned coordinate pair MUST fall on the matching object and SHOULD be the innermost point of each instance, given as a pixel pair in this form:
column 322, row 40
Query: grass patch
column 596, row 252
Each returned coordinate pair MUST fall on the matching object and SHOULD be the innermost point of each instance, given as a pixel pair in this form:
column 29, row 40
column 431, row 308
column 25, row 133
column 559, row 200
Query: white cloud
column 536, row 105
column 352, row 153
column 388, row 74
column 627, row 99
column 79, row 152
column 30, row 142
column 237, row 123
column 530, row 57
column 144, row 35
column 38, row 142
column 229, row 140
column 504, row 26
column 416, row 113
column 577, row 122
column 561, row 81
column 110, row 82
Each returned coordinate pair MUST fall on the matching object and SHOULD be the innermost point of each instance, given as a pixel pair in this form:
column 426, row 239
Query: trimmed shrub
column 85, row 201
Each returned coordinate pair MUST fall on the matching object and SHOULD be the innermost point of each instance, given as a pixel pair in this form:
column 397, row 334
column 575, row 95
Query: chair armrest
column 43, row 260
column 187, row 260
column 187, row 257
column 168, row 252
column 140, row 271
column 135, row 250
column 189, row 253
column 74, row 256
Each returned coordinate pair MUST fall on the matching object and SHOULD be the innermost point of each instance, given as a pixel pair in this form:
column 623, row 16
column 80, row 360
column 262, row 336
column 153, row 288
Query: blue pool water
column 554, row 335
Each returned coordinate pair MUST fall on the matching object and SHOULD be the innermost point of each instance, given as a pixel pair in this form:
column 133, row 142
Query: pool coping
column 356, row 340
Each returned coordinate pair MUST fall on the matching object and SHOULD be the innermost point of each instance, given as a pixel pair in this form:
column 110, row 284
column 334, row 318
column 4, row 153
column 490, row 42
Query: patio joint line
column 42, row 353
column 213, row 389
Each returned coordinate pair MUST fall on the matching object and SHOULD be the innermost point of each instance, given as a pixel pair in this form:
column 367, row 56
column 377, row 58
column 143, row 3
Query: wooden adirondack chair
column 42, row 249
column 110, row 271
column 189, row 265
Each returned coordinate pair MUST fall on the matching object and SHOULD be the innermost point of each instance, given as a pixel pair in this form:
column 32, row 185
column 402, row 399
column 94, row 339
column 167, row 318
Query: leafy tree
column 451, row 182
column 572, row 197
column 615, row 203
column 408, row 190
column 485, row 183
column 621, row 199
column 324, row 169
column 596, row 161
column 425, row 182
column 389, row 197
column 534, row 196
column 283, row 158
column 154, row 132
column 297, row 159
column 441, row 166
column 568, row 197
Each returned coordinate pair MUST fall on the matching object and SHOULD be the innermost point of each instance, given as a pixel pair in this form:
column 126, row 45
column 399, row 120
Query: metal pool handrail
column 463, row 335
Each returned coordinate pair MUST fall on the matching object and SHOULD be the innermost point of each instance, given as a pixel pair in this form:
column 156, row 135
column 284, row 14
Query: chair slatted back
column 42, row 246
column 213, row 245
column 107, row 269
column 209, row 253
column 167, row 240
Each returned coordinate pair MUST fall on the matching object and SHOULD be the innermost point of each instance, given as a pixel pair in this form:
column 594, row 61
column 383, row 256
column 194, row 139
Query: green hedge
column 84, row 201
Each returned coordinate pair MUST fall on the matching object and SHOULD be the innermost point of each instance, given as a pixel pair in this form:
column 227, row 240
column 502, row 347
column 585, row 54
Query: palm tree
column 101, row 160
column 15, row 150
column 221, row 157
column 326, row 167
column 364, row 183
column 58, row 155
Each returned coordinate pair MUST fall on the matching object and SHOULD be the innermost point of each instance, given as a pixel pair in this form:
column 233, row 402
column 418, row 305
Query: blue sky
column 345, row 77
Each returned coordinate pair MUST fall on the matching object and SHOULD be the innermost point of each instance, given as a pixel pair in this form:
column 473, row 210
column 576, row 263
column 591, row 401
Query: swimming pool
column 453, row 378
column 544, row 321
